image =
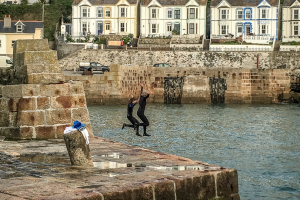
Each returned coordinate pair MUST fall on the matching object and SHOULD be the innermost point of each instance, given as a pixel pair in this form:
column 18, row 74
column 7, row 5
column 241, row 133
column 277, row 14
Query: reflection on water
column 260, row 141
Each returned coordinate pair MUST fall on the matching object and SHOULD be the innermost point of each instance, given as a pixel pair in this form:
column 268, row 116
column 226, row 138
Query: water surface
column 260, row 141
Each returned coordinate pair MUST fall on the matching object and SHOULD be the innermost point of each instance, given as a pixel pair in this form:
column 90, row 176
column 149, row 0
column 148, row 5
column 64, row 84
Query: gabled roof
column 288, row 2
column 252, row 3
column 103, row 2
column 174, row 2
column 30, row 26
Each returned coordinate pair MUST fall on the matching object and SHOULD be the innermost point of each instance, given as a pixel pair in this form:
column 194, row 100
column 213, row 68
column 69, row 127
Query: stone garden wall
column 196, row 59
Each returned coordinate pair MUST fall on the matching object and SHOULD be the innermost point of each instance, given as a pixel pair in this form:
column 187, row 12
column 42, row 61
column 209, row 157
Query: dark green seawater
column 261, row 141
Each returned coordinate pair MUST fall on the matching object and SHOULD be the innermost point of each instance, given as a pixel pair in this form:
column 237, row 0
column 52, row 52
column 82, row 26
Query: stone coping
column 41, row 170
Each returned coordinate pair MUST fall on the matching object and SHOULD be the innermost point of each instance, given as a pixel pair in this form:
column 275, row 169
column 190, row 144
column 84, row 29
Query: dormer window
column 19, row 28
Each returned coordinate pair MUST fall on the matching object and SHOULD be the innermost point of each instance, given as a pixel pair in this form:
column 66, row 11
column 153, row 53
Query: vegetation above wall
column 53, row 13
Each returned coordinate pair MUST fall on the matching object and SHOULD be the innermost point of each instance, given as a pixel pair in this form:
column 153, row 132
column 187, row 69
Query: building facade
column 247, row 17
column 163, row 18
column 96, row 17
column 11, row 30
column 290, row 20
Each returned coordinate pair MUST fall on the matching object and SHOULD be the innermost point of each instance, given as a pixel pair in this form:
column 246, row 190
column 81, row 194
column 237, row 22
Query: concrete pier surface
column 41, row 169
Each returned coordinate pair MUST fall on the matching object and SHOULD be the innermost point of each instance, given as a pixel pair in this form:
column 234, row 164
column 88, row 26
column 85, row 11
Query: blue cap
column 78, row 125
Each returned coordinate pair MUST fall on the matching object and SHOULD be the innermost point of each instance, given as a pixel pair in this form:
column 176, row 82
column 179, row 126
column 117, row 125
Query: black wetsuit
column 141, row 111
column 129, row 115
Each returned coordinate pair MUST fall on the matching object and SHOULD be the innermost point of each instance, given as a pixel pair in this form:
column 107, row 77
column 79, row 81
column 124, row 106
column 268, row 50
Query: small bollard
column 78, row 150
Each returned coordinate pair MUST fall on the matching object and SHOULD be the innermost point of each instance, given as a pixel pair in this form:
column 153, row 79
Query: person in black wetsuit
column 132, row 102
column 144, row 96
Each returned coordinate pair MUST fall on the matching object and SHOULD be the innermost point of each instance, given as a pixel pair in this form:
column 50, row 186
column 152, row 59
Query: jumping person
column 135, row 123
column 143, row 97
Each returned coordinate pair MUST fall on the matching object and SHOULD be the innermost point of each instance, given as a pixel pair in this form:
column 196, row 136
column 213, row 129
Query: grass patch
column 291, row 43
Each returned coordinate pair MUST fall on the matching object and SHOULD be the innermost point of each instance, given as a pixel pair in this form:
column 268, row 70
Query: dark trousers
column 144, row 120
column 132, row 120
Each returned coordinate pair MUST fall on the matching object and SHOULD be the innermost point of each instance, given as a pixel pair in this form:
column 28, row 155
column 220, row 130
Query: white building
column 290, row 20
column 247, row 17
column 104, row 17
column 160, row 18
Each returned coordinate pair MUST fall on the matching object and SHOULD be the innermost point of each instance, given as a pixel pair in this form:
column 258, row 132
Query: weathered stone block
column 60, row 130
column 12, row 133
column 62, row 102
column 45, row 78
column 204, row 186
column 45, row 132
column 4, row 119
column 40, row 57
column 26, row 132
column 164, row 190
column 76, row 88
column 3, row 104
column 46, row 90
column 12, row 91
column 78, row 150
column 43, row 103
column 29, row 90
column 227, row 183
column 61, row 116
column 31, row 45
column 60, row 90
column 54, row 68
column 13, row 104
column 13, row 119
column 35, row 69
column 31, row 118
column 27, row 104
column 80, row 114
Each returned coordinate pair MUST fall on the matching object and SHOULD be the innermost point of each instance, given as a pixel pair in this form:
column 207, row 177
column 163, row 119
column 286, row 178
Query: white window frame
column 154, row 27
column 294, row 14
column 85, row 11
column 176, row 14
column 19, row 28
column 84, row 27
column 262, row 14
column 191, row 28
column 239, row 16
column 224, row 14
column 169, row 27
column 226, row 29
column 264, row 29
column 247, row 12
column 170, row 14
column 107, row 12
column 296, row 30
column 123, row 26
column 12, row 43
column 100, row 13
column 153, row 13
column 123, row 12
column 192, row 15
column 107, row 26
column 240, row 26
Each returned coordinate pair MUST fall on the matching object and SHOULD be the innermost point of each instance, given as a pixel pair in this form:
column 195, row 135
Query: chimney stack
column 7, row 22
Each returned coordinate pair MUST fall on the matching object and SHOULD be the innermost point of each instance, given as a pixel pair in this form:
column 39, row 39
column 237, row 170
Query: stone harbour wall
column 35, row 103
column 229, row 85
column 196, row 59
column 34, row 111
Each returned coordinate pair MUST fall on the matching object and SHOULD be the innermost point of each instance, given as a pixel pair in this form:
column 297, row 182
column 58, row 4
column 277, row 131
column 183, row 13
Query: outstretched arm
column 142, row 86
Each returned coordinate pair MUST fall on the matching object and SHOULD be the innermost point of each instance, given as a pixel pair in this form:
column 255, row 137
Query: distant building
column 291, row 20
column 160, row 18
column 247, row 17
column 96, row 17
column 11, row 30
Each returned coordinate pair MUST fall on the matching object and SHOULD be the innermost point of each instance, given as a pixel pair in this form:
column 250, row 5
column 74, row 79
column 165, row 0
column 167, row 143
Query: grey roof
column 215, row 3
column 30, row 26
column 173, row 2
column 104, row 2
column 288, row 2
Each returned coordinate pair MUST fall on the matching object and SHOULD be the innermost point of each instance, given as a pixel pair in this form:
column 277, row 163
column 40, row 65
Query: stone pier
column 42, row 170
column 35, row 102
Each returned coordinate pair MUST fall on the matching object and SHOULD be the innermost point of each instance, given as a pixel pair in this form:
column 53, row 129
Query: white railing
column 291, row 38
column 221, row 37
column 240, row 48
column 289, row 48
column 257, row 39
